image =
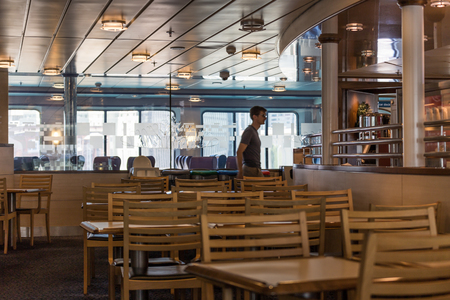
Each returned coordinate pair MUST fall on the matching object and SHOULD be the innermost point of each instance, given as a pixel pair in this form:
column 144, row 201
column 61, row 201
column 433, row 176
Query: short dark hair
column 256, row 110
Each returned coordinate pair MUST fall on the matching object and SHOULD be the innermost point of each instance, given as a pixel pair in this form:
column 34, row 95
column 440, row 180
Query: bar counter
column 381, row 185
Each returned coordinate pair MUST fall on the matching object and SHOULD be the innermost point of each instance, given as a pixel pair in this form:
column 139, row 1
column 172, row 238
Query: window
column 90, row 140
column 218, row 134
column 24, row 128
column 281, row 126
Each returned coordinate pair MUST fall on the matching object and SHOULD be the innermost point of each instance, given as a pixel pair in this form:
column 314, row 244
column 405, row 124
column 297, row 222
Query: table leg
column 227, row 294
column 139, row 264
column 11, row 208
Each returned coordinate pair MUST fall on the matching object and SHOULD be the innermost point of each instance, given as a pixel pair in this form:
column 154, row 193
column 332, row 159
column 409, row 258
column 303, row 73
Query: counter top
column 381, row 170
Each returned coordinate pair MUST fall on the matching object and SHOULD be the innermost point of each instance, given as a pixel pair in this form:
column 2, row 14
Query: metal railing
column 437, row 158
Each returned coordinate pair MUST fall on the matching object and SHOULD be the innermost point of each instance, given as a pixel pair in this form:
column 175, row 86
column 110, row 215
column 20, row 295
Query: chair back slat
column 228, row 202
column 335, row 200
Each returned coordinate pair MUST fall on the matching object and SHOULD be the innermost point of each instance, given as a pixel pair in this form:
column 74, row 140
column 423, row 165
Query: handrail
column 371, row 128
column 369, row 142
column 437, row 123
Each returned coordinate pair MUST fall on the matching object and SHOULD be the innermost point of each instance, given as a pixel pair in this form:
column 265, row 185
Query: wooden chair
column 6, row 216
column 335, row 200
column 190, row 193
column 228, row 202
column 166, row 180
column 357, row 223
column 115, row 213
column 279, row 192
column 313, row 207
column 405, row 267
column 149, row 185
column 95, row 208
column 246, row 185
column 114, row 185
column 41, row 207
column 436, row 205
column 258, row 239
column 237, row 182
column 190, row 183
column 160, row 226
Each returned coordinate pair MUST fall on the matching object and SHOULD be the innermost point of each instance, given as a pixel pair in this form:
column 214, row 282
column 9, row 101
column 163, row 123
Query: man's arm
column 239, row 158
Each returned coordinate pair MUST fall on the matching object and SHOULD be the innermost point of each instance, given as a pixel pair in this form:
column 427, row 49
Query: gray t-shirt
column 252, row 154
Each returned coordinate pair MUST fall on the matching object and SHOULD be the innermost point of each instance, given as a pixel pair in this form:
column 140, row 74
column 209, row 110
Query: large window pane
column 242, row 122
column 90, row 141
column 152, row 141
column 218, row 134
column 121, row 139
column 24, row 131
column 282, row 126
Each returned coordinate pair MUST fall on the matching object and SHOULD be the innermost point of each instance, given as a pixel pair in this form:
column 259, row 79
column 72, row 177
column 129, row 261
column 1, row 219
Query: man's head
column 258, row 112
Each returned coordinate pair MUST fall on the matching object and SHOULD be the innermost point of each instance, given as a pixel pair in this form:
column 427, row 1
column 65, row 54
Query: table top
column 281, row 277
column 115, row 227
column 25, row 190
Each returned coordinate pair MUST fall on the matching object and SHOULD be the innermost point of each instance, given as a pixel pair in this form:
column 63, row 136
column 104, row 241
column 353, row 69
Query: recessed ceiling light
column 251, row 55
column 57, row 98
column 195, row 99
column 185, row 75
column 306, row 70
column 367, row 53
column 439, row 3
column 283, row 78
column 316, row 78
column 113, row 25
column 354, row 27
column 58, row 85
column 177, row 48
column 308, row 59
column 6, row 63
column 252, row 25
column 51, row 71
column 279, row 88
column 140, row 57
column 173, row 87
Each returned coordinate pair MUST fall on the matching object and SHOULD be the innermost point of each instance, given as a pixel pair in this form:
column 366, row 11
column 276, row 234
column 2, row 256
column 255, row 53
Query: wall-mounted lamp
column 279, row 88
column 113, row 25
column 140, row 57
column 185, row 75
column 51, row 71
column 251, row 55
column 173, row 87
column 354, row 27
column 6, row 63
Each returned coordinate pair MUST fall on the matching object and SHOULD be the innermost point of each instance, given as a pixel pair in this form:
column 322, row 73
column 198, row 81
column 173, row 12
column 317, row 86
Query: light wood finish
column 190, row 193
column 115, row 213
column 281, row 277
column 183, row 233
column 228, row 202
column 153, row 184
column 436, row 205
column 114, row 185
column 187, row 182
column 237, row 182
column 258, row 234
column 279, row 192
column 95, row 208
column 335, row 200
column 246, row 185
column 357, row 223
column 313, row 207
column 191, row 183
column 405, row 267
column 6, row 214
column 43, row 200
column 166, row 180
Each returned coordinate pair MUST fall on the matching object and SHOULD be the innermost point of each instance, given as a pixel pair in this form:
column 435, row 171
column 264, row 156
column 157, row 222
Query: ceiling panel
column 44, row 18
column 89, row 50
column 34, row 49
column 12, row 15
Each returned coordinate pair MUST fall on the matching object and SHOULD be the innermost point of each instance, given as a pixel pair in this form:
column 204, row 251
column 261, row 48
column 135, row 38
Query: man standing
column 249, row 151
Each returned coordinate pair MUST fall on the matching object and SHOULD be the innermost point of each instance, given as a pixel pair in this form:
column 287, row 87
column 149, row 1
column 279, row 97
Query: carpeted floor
column 55, row 271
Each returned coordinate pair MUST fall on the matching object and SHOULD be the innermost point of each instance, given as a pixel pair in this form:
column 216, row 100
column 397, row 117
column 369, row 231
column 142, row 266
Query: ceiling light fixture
column 307, row 70
column 316, row 78
column 251, row 55
column 51, row 71
column 318, row 45
column 439, row 3
column 354, row 27
column 279, row 88
column 113, row 25
column 6, row 63
column 308, row 59
column 173, row 87
column 252, row 25
column 140, row 57
column 367, row 53
column 185, row 75
column 57, row 98
column 195, row 99
column 58, row 85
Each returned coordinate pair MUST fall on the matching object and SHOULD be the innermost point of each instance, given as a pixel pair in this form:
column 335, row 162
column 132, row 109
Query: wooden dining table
column 279, row 277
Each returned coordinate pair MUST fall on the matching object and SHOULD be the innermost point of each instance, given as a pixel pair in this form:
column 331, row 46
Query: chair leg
column 112, row 282
column 15, row 234
column 18, row 228
column 32, row 228
column 6, row 228
column 85, row 265
column 47, row 225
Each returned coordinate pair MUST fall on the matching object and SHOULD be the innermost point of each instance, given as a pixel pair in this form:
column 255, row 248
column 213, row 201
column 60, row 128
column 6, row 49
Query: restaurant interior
column 123, row 121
